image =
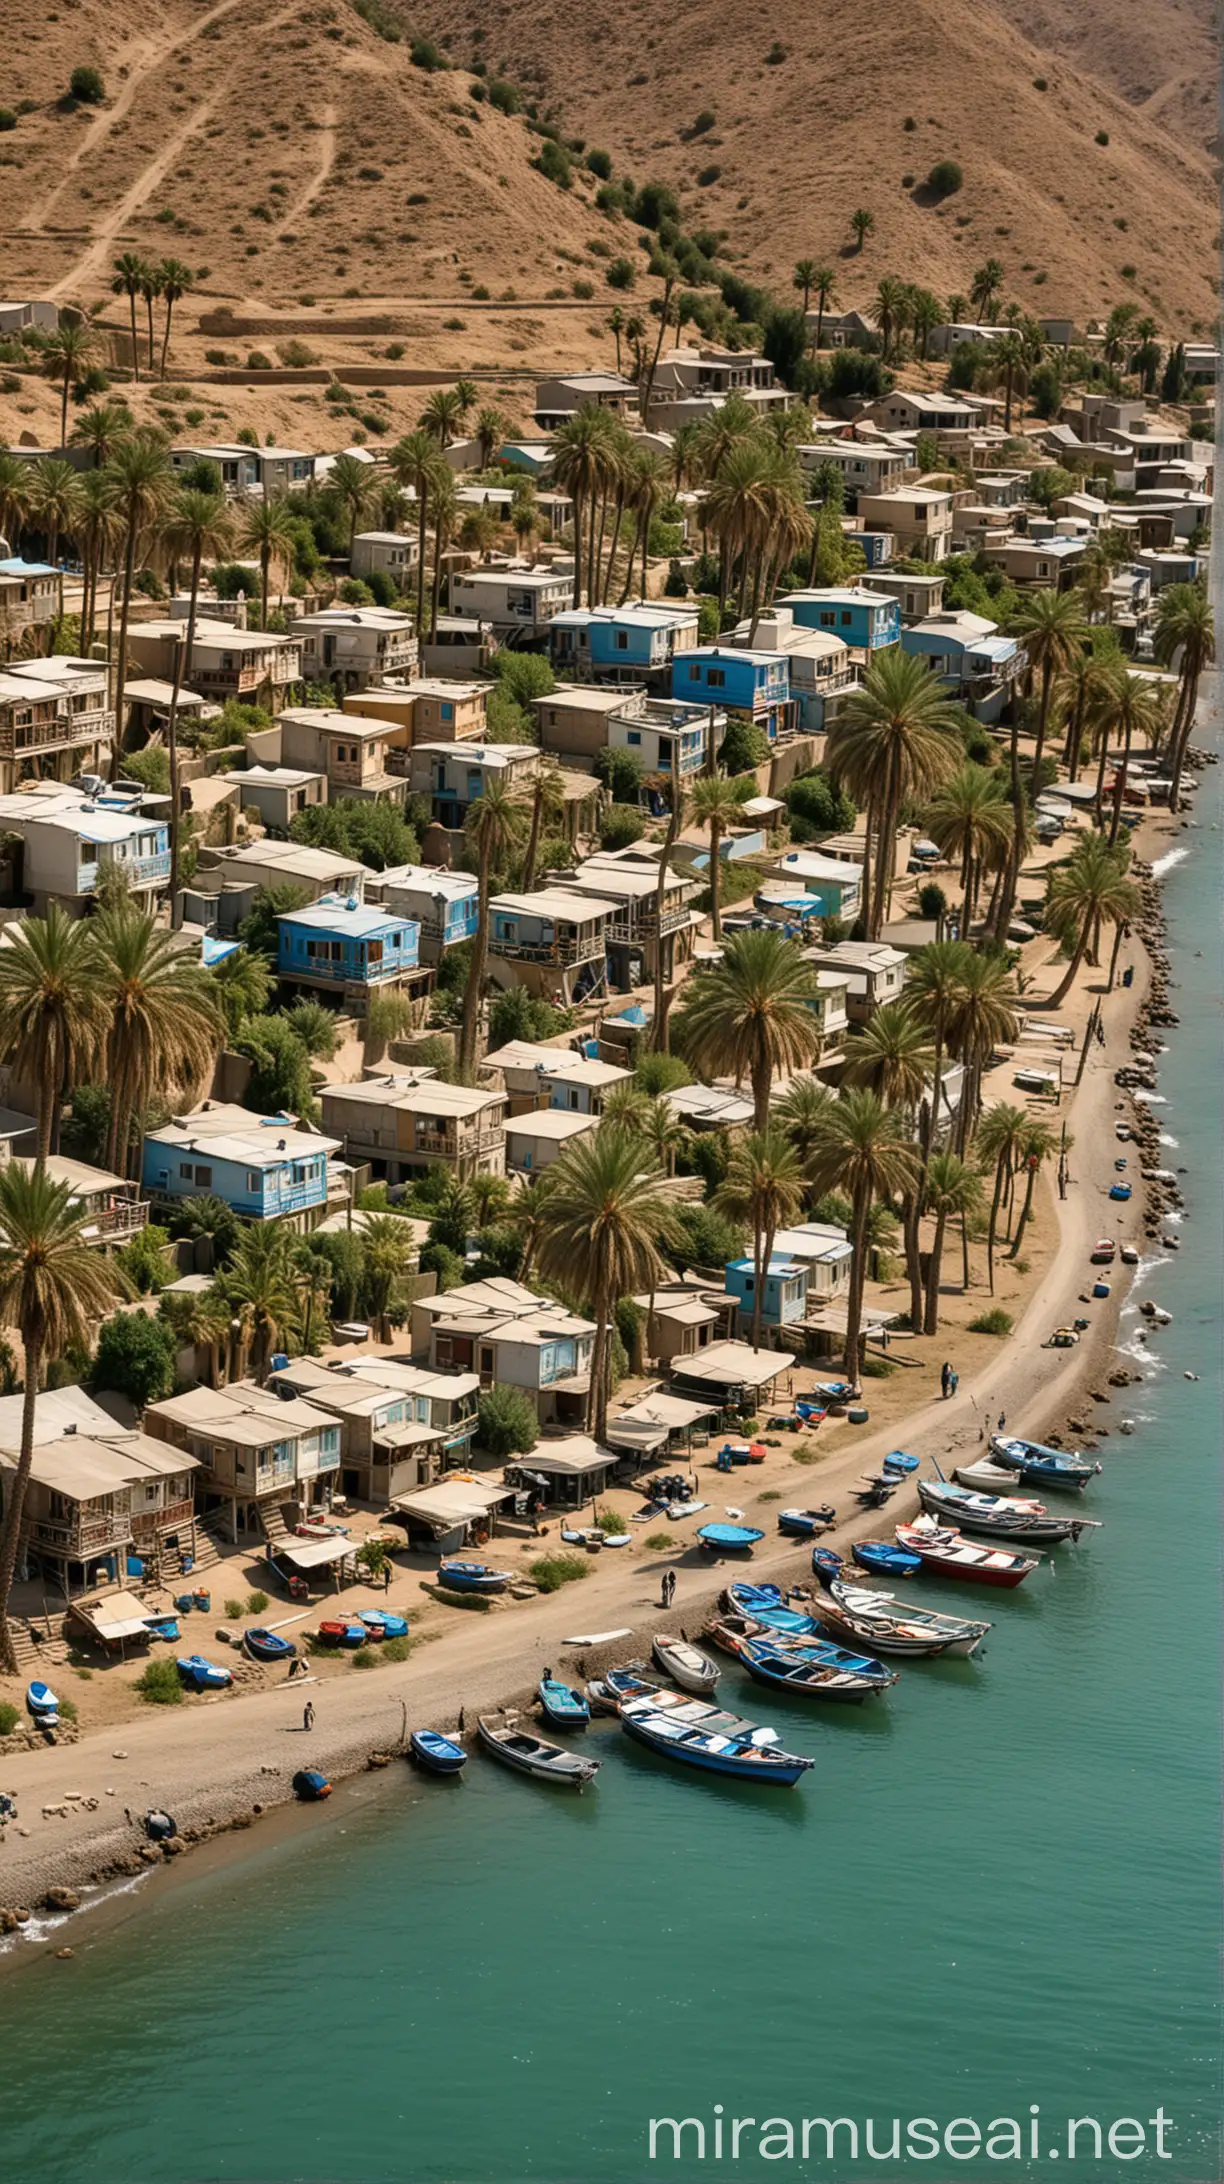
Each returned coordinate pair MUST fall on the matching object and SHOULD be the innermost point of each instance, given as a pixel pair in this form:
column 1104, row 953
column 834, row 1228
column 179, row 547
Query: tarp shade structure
column 315, row 1554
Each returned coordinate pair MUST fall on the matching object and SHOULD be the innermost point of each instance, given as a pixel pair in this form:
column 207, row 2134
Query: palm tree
column 150, row 289
column 665, row 1134
column 165, row 1028
column 824, row 283
column 625, row 1107
column 54, row 504
column 444, row 512
column 737, row 507
column 803, row 1112
column 50, row 1019
column 985, row 286
column 66, row 357
column 414, row 465
column 893, row 741
column 864, row 1154
column 969, row 820
column 715, row 799
column 996, row 1142
column 100, row 428
column 669, row 273
column 260, row 1288
column 389, row 1260
column 142, row 482
column 804, row 279
column 1090, row 890
column 129, row 282
column 199, row 525
column 489, row 430
column 578, row 469
column 1053, row 630
column 763, row 1188
column 202, row 1320
column 494, row 824
column 268, row 531
column 1010, row 359
column 442, row 415
column 525, row 515
column 982, row 1017
column 528, row 1217
column 1075, row 694
column 604, row 1215
column 243, row 984
column 1131, row 705
column 1036, row 1146
column 754, row 1015
column 862, row 224
column 176, row 278
column 351, row 479
column 547, row 804
column 890, row 296
column 53, row 1286
column 14, row 495
column 893, row 1057
column 926, row 313
column 649, row 486
column 952, row 1187
column 936, row 978
column 1185, row 638
column 97, row 532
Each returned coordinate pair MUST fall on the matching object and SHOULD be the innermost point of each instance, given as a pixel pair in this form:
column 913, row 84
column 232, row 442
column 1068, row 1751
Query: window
column 695, row 671
column 828, row 621
column 448, row 712
column 185, row 1171
column 633, row 735
column 622, row 640
column 847, row 618
column 716, row 678
column 203, row 1178
column 252, row 1181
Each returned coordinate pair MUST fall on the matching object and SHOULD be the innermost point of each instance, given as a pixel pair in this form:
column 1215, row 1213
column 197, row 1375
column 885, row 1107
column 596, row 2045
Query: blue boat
column 472, row 1577
column 885, row 1559
column 815, row 1672
column 310, row 1786
column 267, row 1645
column 1044, row 1466
column 435, row 1753
column 163, row 1627
column 730, row 1538
column 566, row 1709
column 897, row 1460
column 202, row 1675
column 42, row 1704
column 338, row 1631
column 766, row 1604
column 380, row 1624
column 827, row 1563
column 695, row 1734
column 1120, row 1190
column 805, row 1523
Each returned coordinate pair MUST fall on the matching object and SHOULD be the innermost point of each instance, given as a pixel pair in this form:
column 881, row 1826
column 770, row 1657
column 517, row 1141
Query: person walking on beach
column 669, row 1587
column 308, row 1715
column 945, row 1379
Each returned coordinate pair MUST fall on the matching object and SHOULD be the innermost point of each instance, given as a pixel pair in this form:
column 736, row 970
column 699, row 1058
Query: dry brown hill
column 1159, row 55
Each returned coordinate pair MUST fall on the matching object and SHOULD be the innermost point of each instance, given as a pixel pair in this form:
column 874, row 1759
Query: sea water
column 995, row 1897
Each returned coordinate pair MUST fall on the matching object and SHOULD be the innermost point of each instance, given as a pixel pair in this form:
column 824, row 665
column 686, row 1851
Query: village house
column 581, row 1087
column 702, row 1107
column 1045, row 564
column 750, row 683
column 265, row 1167
column 563, row 395
column 402, row 1122
column 521, row 1068
column 70, row 838
column 443, row 904
column 407, row 1396
column 101, row 1494
column 544, row 1349
column 427, row 710
column 358, row 754
column 459, row 645
column 384, row 553
column 55, row 718
column 843, row 329
column 347, row 950
column 512, row 600
column 264, row 1462
column 574, row 720
column 633, row 932
column 534, row 1141
column 784, row 1288
column 865, row 621
column 353, row 647
column 109, row 1207
column 919, row 518
column 970, row 655
column 693, row 384
column 819, row 666
column 836, row 884
column 636, row 643
column 29, row 598
column 266, row 470
column 227, row 881
column 864, row 466
column 554, row 941
column 277, row 794
column 876, row 972
column 681, row 1319
column 149, row 701
column 668, row 734
column 827, row 1254
column 254, row 666
column 454, row 775
column 554, row 510
column 916, row 596
column 731, row 1374
column 906, row 410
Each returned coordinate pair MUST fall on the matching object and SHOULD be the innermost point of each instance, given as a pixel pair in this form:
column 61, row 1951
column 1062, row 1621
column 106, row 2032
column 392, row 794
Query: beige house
column 534, row 1141
column 919, row 517
column 353, row 646
column 357, row 754
column 682, row 1319
column 389, row 553
column 575, row 720
column 109, row 1206
column 277, row 793
column 99, row 1491
column 400, row 1424
column 263, row 1462
column 252, row 665
column 401, row 1124
column 55, row 719
column 429, row 710
column 29, row 599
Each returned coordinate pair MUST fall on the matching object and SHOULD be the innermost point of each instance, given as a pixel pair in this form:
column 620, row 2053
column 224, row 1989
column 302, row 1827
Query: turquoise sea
column 997, row 1891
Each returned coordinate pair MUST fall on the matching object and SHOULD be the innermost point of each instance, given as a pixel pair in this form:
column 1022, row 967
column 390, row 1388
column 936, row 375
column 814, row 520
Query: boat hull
column 574, row 1775
column 1033, row 1527
column 435, row 1753
column 781, row 1774
column 473, row 1580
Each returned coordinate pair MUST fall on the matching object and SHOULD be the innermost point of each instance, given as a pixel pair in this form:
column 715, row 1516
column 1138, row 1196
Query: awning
column 116, row 1616
column 647, row 1425
column 408, row 1436
column 452, row 1502
column 315, row 1554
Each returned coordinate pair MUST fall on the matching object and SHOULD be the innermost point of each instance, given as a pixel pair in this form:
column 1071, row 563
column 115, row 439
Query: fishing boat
column 766, row 1604
column 203, row 1675
column 379, row 1623
column 268, row 1645
column 814, row 1671
column 985, row 1478
column 875, row 1619
column 729, row 1538
column 435, row 1753
column 686, row 1665
column 336, row 1632
column 897, row 1460
column 310, row 1786
column 806, row 1523
column 588, row 1536
column 696, row 1735
column 518, row 1749
column 1129, row 1255
column 1120, row 1191
column 1102, row 1252
column 1044, row 1466
column 884, row 1559
column 941, row 1549
column 634, row 1681
column 998, row 1516
column 472, row 1577
column 566, row 1709
column 163, row 1627
column 42, row 1704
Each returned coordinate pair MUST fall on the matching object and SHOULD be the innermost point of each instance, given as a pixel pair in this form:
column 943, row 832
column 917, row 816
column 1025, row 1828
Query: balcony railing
column 56, row 735
column 123, row 1218
column 578, row 950
column 81, row 1537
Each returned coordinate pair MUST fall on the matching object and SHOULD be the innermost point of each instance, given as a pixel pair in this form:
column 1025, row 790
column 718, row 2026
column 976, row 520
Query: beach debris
column 62, row 1953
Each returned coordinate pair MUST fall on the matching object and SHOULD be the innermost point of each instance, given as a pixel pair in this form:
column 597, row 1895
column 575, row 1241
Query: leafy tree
column 508, row 1423
column 752, row 1016
column 259, row 931
column 744, row 747
column 135, row 1357
column 621, row 772
column 144, row 1262
column 945, row 178
column 211, row 1218
column 376, row 833
column 315, row 1026
column 280, row 1071
column 815, row 807
column 620, row 825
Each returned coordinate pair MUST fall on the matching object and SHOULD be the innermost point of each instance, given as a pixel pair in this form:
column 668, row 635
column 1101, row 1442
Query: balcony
column 579, row 949
column 115, row 1223
column 80, row 1537
column 138, row 871
column 60, row 734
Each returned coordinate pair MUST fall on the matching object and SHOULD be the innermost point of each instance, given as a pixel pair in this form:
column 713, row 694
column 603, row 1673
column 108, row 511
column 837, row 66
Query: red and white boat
column 1102, row 1252
column 948, row 1553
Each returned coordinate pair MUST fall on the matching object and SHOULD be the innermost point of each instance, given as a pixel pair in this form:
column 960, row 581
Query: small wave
column 1161, row 865
column 45, row 1926
column 1152, row 1099
column 1167, row 1138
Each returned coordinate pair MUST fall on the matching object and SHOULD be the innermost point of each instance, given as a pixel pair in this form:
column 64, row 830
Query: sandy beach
column 221, row 1763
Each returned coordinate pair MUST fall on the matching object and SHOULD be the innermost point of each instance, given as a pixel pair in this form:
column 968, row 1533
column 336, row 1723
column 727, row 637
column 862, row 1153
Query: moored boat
column 567, row 1709
column 813, row 1669
column 164, row 1628
column 729, row 1538
column 435, row 1753
column 985, row 1478
column 530, row 1755
column 203, row 1675
column 942, row 1550
column 998, row 1516
column 380, row 1623
column 310, row 1786
column 268, row 1645
column 898, row 1461
column 877, row 1621
column 884, row 1559
column 634, row 1681
column 1044, row 1466
column 767, row 1604
column 806, row 1523
column 472, row 1577
column 337, row 1631
column 696, row 1735
column 686, row 1665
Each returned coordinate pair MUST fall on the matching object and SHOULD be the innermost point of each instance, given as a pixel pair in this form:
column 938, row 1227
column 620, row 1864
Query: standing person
column 671, row 1587
column 945, row 1379
column 953, row 1383
column 308, row 1715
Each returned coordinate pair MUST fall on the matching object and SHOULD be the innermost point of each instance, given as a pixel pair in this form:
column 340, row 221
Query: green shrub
column 877, row 1368
column 159, row 1685
column 8, row 119
column 1102, row 136
column 621, row 825
column 622, row 273
column 553, row 163
column 659, row 1542
column 366, row 1656
column 9, row 1717
column 86, row 85
column 551, row 1572
column 233, row 1609
column 256, row 1603
column 396, row 1649
column 315, row 1026
column 600, row 163
column 945, row 178
column 994, row 1322
column 135, row 1357
column 932, row 901
column 508, row 1422
column 611, row 1521
column 425, row 54
column 657, row 1073
column 67, row 1707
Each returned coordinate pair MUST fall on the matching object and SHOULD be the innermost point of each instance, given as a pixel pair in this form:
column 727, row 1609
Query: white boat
column 985, row 1477
column 686, row 1665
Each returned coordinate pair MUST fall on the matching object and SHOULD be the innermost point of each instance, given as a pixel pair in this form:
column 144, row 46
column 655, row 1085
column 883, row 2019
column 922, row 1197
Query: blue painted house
column 975, row 662
column 443, row 904
column 263, row 1166
column 786, row 1288
column 346, row 947
column 755, row 685
column 864, row 620
column 635, row 644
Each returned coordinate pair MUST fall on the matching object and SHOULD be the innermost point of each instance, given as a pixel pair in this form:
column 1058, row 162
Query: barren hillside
column 1159, row 55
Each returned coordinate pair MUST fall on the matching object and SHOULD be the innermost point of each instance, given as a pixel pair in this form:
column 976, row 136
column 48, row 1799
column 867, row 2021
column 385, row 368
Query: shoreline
column 487, row 1664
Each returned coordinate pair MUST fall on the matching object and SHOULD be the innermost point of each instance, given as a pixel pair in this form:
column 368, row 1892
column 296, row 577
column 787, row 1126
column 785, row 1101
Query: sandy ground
column 219, row 1761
